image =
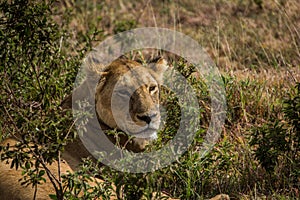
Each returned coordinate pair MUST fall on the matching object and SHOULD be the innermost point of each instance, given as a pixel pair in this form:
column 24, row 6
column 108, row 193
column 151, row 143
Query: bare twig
column 35, row 192
column 14, row 124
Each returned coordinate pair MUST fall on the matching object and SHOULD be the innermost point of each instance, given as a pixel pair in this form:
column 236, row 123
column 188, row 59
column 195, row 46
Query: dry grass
column 256, row 47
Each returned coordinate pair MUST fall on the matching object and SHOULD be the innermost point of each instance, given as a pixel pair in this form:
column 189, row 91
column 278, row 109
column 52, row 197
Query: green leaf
column 27, row 165
column 53, row 196
column 41, row 173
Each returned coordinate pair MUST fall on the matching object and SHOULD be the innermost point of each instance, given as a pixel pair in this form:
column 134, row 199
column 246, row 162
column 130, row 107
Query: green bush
column 124, row 25
column 36, row 72
column 277, row 143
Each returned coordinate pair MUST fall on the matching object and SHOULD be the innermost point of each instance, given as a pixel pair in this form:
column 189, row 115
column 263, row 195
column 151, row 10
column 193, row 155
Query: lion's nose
column 147, row 118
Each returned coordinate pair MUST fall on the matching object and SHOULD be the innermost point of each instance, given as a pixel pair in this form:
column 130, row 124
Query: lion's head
column 127, row 98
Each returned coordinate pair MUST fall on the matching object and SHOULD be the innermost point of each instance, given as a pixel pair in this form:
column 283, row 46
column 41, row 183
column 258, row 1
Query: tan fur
column 10, row 187
column 129, row 76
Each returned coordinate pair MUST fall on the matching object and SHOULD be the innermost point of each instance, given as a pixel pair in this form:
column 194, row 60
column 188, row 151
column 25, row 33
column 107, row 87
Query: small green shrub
column 124, row 25
column 277, row 144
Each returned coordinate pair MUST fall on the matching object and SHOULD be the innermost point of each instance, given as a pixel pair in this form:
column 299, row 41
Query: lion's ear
column 159, row 67
column 67, row 102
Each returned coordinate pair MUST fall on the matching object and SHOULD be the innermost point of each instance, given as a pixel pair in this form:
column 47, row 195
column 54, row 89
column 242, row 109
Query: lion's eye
column 152, row 88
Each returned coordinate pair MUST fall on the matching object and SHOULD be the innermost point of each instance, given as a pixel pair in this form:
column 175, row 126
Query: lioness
column 138, row 87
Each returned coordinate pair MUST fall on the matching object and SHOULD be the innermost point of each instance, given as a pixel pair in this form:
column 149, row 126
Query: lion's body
column 10, row 187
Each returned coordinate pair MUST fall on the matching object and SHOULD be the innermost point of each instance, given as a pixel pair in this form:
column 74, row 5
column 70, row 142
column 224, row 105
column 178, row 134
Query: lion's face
column 127, row 97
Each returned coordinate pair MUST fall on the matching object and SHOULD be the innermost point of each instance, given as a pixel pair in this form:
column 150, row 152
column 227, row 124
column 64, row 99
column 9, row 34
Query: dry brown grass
column 256, row 46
